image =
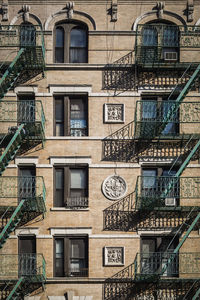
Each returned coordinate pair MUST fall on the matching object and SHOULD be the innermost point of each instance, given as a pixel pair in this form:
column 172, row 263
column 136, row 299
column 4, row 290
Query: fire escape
column 22, row 199
column 160, row 130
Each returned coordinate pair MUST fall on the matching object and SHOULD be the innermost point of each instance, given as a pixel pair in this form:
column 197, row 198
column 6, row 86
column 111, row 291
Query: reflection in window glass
column 59, row 50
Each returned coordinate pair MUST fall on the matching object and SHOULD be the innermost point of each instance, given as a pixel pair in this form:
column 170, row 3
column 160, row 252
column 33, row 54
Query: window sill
column 68, row 209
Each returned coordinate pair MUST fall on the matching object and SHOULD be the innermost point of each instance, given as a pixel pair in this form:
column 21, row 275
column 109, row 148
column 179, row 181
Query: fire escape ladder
column 11, row 74
column 13, row 295
column 12, row 223
column 12, row 148
column 196, row 295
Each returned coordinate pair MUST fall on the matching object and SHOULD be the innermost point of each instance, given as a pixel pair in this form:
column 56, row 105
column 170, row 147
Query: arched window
column 27, row 35
column 71, row 40
column 160, row 42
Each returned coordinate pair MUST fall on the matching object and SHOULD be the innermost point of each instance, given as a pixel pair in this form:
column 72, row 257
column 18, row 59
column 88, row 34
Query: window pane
column 149, row 110
column 59, row 179
column 59, row 55
column 77, row 248
column 78, row 178
column 59, row 37
column 78, row 38
column 171, row 37
column 77, row 108
column 78, row 55
column 149, row 37
column 170, row 128
column 59, row 116
column 59, row 257
column 149, row 179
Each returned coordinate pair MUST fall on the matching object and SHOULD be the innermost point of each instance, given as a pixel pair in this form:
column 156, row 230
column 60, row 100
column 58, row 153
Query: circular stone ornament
column 114, row 187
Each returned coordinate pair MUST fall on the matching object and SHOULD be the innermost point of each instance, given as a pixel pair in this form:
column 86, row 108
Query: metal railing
column 13, row 266
column 150, row 116
column 154, row 40
column 15, row 188
column 178, row 265
column 21, row 36
column 13, row 113
column 77, row 202
column 152, row 191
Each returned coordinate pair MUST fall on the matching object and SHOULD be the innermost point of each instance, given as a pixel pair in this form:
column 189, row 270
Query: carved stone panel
column 113, row 113
column 114, row 187
column 113, row 256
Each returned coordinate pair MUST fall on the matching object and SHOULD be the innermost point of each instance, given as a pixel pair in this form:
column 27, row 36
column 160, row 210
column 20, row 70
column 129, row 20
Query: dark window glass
column 70, row 117
column 71, row 256
column 26, row 183
column 59, row 49
column 26, row 108
column 59, row 115
column 27, row 35
column 71, row 187
column 59, row 186
column 59, row 257
column 78, row 43
column 150, row 37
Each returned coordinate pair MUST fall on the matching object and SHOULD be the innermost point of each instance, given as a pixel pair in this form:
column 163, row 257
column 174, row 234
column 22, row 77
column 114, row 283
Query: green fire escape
column 169, row 201
column 22, row 128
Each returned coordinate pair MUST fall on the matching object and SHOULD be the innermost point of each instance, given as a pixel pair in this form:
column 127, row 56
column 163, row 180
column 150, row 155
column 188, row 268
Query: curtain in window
column 171, row 37
column 78, row 46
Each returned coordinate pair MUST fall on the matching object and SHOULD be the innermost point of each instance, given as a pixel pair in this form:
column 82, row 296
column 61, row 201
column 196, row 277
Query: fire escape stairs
column 27, row 60
column 12, row 147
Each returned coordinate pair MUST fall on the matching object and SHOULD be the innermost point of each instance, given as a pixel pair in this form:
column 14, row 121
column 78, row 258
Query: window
column 26, row 108
column 71, row 40
column 154, row 115
column 160, row 42
column 71, row 187
column 71, row 256
column 27, row 183
column 70, row 116
column 159, row 188
column 27, row 35
column 27, row 255
column 155, row 253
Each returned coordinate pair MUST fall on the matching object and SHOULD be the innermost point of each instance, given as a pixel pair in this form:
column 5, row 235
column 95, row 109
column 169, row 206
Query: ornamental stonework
column 113, row 256
column 114, row 113
column 114, row 187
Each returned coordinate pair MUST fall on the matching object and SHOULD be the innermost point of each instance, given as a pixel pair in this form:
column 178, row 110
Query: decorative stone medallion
column 114, row 187
column 113, row 113
column 113, row 256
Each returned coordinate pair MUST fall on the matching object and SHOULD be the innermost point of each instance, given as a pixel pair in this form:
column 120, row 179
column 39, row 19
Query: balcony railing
column 166, row 191
column 15, row 188
column 21, row 36
column 182, row 265
column 162, row 43
column 76, row 202
column 150, row 116
column 13, row 266
column 28, row 112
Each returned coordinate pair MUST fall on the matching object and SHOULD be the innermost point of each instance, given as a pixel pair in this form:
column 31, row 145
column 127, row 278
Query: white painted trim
column 68, row 209
column 154, row 232
column 44, row 166
column 114, row 236
column 44, row 236
column 26, row 89
column 64, row 231
column 27, row 231
column 69, row 89
column 70, row 160
column 66, row 138
column 26, row 160
column 115, row 165
column 11, row 166
column 156, row 161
